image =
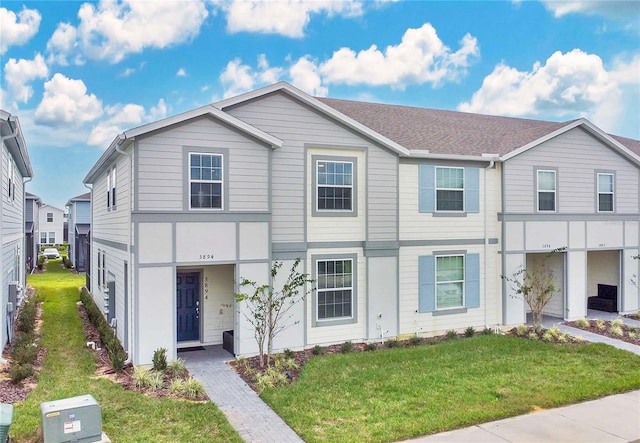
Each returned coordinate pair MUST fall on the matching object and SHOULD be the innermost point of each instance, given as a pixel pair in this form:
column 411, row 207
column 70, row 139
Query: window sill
column 336, row 322
column 449, row 214
column 449, row 311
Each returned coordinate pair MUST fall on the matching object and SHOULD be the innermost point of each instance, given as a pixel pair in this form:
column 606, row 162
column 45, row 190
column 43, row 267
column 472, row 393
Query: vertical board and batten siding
column 82, row 213
column 416, row 225
column 301, row 127
column 426, row 323
column 162, row 172
column 28, row 210
column 577, row 156
column 110, row 224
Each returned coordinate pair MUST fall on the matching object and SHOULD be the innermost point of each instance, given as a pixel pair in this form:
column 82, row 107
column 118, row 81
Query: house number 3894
column 546, row 246
column 206, row 257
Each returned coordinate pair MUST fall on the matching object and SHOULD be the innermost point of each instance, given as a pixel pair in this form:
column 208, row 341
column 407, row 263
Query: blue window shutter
column 472, row 280
column 472, row 189
column 427, row 183
column 426, row 284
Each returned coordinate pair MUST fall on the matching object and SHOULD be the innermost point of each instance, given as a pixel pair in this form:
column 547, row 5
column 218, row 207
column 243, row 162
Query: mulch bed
column 605, row 332
column 10, row 392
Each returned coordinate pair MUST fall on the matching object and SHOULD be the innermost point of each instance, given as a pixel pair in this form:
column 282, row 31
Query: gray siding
column 110, row 224
column 299, row 127
column 12, row 210
column 577, row 156
column 82, row 212
column 28, row 210
column 161, row 172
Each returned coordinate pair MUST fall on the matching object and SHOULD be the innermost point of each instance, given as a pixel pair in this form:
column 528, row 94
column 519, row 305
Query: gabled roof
column 30, row 196
column 123, row 140
column 86, row 197
column 10, row 128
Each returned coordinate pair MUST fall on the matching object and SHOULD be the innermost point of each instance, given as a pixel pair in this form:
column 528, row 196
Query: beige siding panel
column 426, row 324
column 300, row 127
column 577, row 155
column 217, row 303
column 161, row 169
column 415, row 225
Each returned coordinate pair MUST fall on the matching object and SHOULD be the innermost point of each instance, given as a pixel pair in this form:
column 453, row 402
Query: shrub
column 176, row 368
column 140, row 376
column 192, row 388
column 601, row 324
column 288, row 353
column 617, row 323
column 392, row 343
column 40, row 263
column 281, row 363
column 451, row 334
column 177, row 386
column 155, row 380
column 578, row 339
column 548, row 336
column 616, row 330
column 555, row 332
column 17, row 373
column 24, row 354
column 633, row 335
column 533, row 336
column 487, row 331
column 583, row 323
column 522, row 330
column 372, row 346
column 470, row 331
column 415, row 340
column 346, row 347
column 160, row 359
column 317, row 350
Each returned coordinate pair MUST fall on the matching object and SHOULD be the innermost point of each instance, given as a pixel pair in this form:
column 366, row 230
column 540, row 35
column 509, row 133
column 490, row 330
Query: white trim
column 612, row 193
column 436, row 189
column 463, row 281
column 555, row 190
column 318, row 185
column 220, row 181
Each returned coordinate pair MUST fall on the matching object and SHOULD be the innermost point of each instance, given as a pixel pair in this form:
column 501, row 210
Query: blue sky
column 78, row 74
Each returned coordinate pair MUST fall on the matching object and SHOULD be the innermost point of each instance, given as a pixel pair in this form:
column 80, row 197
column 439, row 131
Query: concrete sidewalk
column 614, row 419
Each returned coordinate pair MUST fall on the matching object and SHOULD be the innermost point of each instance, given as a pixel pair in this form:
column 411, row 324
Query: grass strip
column 395, row 394
column 69, row 370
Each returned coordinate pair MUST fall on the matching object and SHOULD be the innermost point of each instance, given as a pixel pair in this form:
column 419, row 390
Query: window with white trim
column 205, row 181
column 334, row 187
column 334, row 289
column 43, row 238
column 605, row 192
column 49, row 217
column 102, row 264
column 52, row 238
column 11, row 196
column 449, row 189
column 99, row 268
column 449, row 281
column 111, row 188
column 546, row 185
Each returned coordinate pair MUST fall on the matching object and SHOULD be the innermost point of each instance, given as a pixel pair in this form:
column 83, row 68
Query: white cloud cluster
column 66, row 102
column 238, row 78
column 566, row 85
column 288, row 18
column 19, row 73
column 111, row 30
column 617, row 9
column 421, row 57
column 17, row 29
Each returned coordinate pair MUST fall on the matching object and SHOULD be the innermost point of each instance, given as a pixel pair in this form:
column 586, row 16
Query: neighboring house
column 31, row 229
column 405, row 217
column 51, row 225
column 79, row 226
column 15, row 168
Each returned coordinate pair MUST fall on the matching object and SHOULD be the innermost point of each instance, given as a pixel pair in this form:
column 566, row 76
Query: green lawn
column 395, row 394
column 69, row 371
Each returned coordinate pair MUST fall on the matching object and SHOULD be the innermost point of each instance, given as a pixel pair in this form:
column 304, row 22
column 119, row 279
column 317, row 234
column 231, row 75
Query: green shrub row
column 24, row 349
column 117, row 355
column 66, row 262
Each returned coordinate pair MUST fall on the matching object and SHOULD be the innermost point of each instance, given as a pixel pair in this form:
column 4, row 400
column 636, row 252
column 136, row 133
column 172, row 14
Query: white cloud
column 111, row 30
column 421, row 57
column 66, row 101
column 304, row 75
column 609, row 8
column 287, row 18
column 567, row 85
column 181, row 73
column 19, row 73
column 122, row 117
column 18, row 28
column 237, row 78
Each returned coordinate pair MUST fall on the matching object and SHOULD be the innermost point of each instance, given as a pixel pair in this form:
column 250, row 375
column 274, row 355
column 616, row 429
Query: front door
column 188, row 301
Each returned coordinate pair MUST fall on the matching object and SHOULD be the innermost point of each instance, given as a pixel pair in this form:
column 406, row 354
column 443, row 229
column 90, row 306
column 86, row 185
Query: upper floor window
column 49, row 217
column 52, row 238
column 450, row 189
column 605, row 192
column 11, row 195
column 335, row 289
column 111, row 188
column 334, row 190
column 205, row 181
column 546, row 190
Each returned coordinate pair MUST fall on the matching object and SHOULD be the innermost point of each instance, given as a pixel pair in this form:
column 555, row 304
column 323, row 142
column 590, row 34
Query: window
column 101, row 269
column 334, row 181
column 334, row 289
column 52, row 238
column 111, row 188
column 450, row 189
column 605, row 192
column 104, row 269
column 43, row 238
column 449, row 282
column 546, row 190
column 12, row 181
column 49, row 217
column 205, row 181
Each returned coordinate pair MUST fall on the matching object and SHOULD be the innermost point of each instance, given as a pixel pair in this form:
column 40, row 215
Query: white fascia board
column 589, row 127
column 319, row 106
column 457, row 157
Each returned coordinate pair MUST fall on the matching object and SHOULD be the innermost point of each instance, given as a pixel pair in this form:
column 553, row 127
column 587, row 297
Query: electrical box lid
column 6, row 414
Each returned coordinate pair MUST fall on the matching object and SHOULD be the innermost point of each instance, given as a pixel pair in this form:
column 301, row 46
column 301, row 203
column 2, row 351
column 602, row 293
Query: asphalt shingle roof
column 451, row 132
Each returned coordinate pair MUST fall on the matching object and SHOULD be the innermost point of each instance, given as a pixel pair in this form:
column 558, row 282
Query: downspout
column 486, row 242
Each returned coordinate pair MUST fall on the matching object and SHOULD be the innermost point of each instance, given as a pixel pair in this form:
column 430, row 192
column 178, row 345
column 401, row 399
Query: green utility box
column 75, row 419
column 6, row 416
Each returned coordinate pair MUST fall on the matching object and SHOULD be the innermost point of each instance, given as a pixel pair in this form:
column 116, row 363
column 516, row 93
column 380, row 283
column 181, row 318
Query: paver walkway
column 247, row 413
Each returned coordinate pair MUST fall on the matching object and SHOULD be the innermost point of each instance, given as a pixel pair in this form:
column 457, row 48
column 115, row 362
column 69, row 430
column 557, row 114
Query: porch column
column 576, row 284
